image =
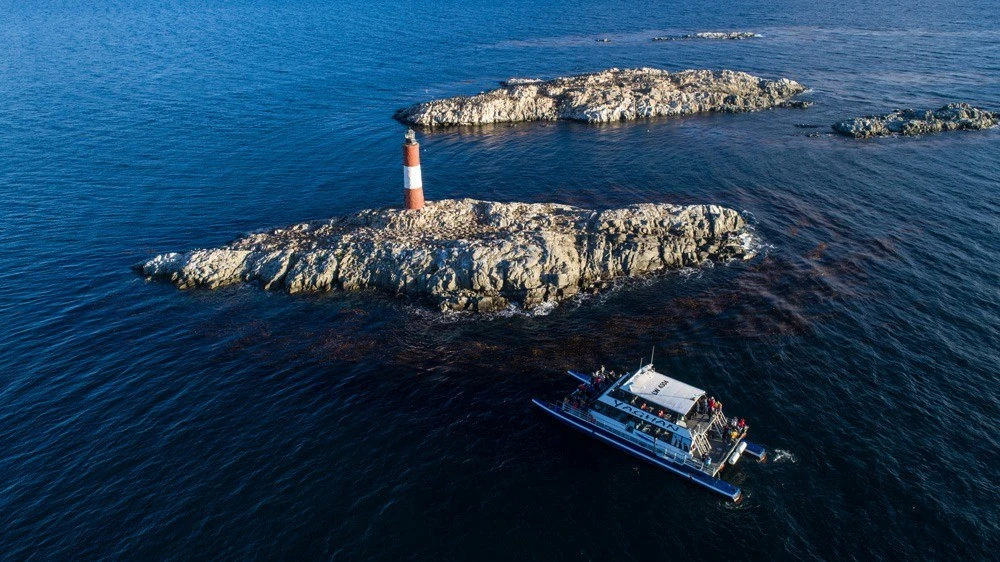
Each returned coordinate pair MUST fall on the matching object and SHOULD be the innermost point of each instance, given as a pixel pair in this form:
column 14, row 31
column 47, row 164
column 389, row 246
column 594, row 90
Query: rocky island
column 466, row 254
column 726, row 35
column 608, row 96
column 909, row 122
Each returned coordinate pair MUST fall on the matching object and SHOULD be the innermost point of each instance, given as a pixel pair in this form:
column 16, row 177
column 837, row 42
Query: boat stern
column 756, row 451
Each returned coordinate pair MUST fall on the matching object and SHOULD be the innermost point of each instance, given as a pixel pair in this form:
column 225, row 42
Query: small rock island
column 465, row 254
column 718, row 35
column 608, row 96
column 909, row 122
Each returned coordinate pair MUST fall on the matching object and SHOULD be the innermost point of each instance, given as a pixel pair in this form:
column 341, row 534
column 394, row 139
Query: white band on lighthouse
column 411, row 177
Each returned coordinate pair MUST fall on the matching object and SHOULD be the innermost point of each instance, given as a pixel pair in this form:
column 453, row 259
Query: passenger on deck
column 711, row 403
column 742, row 424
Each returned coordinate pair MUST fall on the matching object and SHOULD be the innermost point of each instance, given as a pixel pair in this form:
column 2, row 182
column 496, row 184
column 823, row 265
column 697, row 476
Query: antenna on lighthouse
column 413, row 185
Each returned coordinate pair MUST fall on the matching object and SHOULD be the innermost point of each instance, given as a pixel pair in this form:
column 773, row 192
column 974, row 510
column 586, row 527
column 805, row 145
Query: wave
column 783, row 456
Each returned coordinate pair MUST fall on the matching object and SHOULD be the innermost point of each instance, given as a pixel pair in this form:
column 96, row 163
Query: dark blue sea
column 140, row 422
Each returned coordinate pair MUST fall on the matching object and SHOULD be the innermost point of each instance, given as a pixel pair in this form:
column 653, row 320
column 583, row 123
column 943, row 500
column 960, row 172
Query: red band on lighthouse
column 413, row 185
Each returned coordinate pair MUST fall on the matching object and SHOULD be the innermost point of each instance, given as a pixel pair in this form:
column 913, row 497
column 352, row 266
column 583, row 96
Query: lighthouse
column 413, row 186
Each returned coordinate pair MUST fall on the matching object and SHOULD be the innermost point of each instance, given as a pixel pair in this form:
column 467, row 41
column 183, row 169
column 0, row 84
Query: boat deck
column 722, row 444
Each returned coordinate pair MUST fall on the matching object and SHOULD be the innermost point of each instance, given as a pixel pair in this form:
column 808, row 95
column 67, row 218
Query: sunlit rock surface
column 608, row 96
column 466, row 254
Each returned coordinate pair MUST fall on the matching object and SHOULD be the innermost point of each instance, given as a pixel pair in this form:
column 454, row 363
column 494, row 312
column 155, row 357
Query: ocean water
column 141, row 422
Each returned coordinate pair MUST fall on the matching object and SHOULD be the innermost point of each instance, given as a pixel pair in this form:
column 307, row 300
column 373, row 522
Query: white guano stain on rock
column 607, row 96
column 466, row 254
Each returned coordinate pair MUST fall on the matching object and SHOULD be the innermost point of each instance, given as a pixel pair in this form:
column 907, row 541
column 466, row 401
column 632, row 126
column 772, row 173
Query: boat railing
column 719, row 421
column 666, row 453
column 705, row 423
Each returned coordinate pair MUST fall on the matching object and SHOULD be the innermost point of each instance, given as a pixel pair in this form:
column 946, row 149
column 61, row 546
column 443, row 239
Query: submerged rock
column 796, row 104
column 908, row 122
column 466, row 254
column 607, row 96
column 709, row 35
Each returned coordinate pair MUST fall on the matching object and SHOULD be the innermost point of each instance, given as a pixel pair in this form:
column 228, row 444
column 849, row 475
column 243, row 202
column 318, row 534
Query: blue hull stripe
column 714, row 484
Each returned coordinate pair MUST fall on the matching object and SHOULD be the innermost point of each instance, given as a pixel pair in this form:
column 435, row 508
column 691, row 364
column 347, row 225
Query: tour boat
column 664, row 421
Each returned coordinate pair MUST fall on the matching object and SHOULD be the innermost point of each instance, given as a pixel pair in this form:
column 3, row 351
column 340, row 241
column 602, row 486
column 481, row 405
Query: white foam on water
column 688, row 272
column 458, row 316
column 753, row 244
column 782, row 456
column 543, row 309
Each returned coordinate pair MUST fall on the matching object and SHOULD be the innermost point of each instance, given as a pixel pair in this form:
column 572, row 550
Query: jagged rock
column 795, row 104
column 908, row 122
column 603, row 97
column 466, row 254
column 709, row 35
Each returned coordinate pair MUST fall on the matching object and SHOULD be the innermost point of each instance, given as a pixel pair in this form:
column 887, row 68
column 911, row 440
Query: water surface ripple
column 140, row 422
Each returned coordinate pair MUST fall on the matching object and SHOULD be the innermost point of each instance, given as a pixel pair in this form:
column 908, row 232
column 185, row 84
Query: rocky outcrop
column 709, row 35
column 908, row 122
column 604, row 97
column 466, row 254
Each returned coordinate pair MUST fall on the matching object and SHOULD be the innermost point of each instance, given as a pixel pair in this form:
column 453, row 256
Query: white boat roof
column 662, row 390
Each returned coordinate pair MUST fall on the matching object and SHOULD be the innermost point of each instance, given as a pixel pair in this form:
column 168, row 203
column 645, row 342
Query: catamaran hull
column 756, row 451
column 714, row 484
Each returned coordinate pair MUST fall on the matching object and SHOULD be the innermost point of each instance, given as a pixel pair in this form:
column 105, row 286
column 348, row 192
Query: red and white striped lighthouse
column 413, row 186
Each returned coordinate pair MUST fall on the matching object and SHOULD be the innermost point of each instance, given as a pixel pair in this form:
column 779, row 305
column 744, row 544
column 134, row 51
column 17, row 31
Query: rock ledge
column 724, row 35
column 909, row 122
column 607, row 96
column 466, row 254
